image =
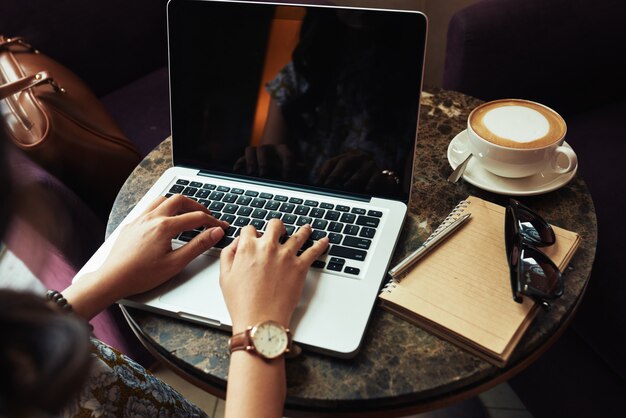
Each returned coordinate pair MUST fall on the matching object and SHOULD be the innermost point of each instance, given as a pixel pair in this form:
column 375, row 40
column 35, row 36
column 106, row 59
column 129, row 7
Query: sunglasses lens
column 534, row 229
column 539, row 276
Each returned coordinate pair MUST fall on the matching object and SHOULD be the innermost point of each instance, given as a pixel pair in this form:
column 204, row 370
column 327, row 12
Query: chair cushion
column 142, row 110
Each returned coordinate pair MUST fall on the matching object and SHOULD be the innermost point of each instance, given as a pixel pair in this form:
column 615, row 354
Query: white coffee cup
column 519, row 138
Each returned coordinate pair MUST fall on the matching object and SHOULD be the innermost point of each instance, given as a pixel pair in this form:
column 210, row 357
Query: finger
column 297, row 240
column 201, row 243
column 315, row 251
column 178, row 204
column 274, row 230
column 155, row 204
column 248, row 232
column 227, row 257
column 191, row 220
column 251, row 160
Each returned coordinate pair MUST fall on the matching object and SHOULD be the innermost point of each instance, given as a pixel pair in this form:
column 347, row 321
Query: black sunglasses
column 532, row 272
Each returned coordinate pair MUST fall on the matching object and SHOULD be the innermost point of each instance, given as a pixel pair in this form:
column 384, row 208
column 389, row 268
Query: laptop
column 305, row 113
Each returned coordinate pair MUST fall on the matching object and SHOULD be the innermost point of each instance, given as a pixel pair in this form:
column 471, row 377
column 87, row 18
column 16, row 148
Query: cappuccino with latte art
column 518, row 138
column 516, row 123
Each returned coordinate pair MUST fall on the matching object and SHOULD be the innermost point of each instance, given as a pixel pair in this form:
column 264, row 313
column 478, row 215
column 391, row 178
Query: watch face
column 270, row 339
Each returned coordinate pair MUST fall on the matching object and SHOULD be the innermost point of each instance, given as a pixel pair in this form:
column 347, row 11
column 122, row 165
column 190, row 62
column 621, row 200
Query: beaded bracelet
column 58, row 299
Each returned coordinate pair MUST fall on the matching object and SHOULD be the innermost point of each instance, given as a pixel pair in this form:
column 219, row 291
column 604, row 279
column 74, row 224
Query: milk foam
column 517, row 123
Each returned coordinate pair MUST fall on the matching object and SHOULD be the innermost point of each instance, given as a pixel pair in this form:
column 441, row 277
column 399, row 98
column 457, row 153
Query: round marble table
column 401, row 368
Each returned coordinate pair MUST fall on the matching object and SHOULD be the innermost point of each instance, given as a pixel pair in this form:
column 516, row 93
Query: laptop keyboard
column 350, row 229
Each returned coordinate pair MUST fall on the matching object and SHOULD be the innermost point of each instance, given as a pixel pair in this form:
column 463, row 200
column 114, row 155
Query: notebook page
column 463, row 285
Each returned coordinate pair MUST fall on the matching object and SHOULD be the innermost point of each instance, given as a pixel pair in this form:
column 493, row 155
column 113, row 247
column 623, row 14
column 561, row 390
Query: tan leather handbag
column 53, row 116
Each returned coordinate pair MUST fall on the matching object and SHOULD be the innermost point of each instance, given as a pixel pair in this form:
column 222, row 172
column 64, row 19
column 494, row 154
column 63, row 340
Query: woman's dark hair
column 44, row 355
column 5, row 186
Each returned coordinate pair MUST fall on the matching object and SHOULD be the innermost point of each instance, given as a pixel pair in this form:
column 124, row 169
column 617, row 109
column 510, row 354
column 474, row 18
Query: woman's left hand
column 142, row 257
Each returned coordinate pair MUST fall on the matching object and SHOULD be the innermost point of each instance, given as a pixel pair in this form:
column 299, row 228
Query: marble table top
column 400, row 367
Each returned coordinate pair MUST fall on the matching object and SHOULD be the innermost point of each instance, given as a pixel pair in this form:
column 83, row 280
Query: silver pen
column 428, row 245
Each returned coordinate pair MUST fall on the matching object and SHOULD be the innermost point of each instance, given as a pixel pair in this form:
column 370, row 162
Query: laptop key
column 190, row 191
column 230, row 231
column 230, row 198
column 251, row 193
column 342, row 208
column 324, row 205
column 266, row 195
column 227, row 217
column 273, row 215
column 216, row 196
column 358, row 211
column 319, row 224
column 241, row 221
column 296, row 200
column 368, row 221
column 302, row 210
column 334, row 267
column 337, row 260
column 317, row 212
column 347, row 252
column 318, row 264
column 203, row 193
column 258, row 203
column 209, row 186
column 351, row 230
column 317, row 234
column 272, row 205
column 290, row 229
column 352, row 270
column 311, row 203
column 335, row 238
column 224, row 242
column 375, row 213
column 223, row 189
column 332, row 215
column 287, row 207
column 177, row 188
column 196, row 184
column 335, row 227
column 281, row 198
column 188, row 235
column 236, row 190
column 348, row 218
column 259, row 214
column 230, row 208
column 244, row 200
column 257, row 223
column 244, row 211
column 183, row 182
column 288, row 218
column 356, row 242
column 367, row 232
column 216, row 206
column 303, row 220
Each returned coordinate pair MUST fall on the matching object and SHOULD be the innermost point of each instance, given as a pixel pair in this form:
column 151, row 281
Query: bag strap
column 42, row 77
column 18, row 40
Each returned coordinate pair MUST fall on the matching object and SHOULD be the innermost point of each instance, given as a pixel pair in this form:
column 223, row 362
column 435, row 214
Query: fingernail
column 217, row 233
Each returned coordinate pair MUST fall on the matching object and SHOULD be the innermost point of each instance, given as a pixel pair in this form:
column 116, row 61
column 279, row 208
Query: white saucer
column 476, row 175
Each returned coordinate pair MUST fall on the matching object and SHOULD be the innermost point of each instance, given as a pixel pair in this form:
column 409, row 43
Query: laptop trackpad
column 196, row 290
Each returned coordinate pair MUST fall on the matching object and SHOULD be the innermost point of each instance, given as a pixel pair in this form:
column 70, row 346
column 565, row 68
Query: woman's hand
column 261, row 278
column 142, row 257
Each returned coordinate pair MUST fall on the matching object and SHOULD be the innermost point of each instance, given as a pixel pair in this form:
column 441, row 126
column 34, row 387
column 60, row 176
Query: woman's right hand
column 261, row 278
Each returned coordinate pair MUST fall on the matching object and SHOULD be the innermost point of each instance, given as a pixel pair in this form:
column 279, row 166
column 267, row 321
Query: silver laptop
column 305, row 113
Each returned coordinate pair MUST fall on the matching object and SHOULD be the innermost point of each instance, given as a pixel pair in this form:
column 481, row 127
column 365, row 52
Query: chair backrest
column 567, row 54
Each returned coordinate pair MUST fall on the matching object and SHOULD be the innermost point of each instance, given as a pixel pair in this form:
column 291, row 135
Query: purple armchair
column 571, row 56
column 119, row 49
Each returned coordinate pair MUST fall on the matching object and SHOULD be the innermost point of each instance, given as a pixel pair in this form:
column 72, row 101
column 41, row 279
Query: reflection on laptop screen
column 317, row 97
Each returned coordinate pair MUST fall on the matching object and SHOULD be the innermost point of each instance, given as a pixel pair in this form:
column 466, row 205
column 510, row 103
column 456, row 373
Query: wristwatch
column 268, row 339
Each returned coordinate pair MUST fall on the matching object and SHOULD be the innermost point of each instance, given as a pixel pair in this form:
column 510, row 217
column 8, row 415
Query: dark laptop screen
column 316, row 97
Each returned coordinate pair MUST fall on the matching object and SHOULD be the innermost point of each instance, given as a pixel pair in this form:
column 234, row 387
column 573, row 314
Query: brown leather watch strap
column 240, row 341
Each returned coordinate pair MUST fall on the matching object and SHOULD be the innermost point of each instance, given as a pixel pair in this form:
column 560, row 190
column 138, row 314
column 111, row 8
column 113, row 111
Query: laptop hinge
column 323, row 192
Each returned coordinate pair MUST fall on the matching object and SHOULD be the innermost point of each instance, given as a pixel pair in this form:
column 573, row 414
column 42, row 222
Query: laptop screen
column 312, row 97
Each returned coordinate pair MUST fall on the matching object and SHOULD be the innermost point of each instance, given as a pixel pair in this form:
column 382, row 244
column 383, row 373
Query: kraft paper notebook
column 461, row 290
